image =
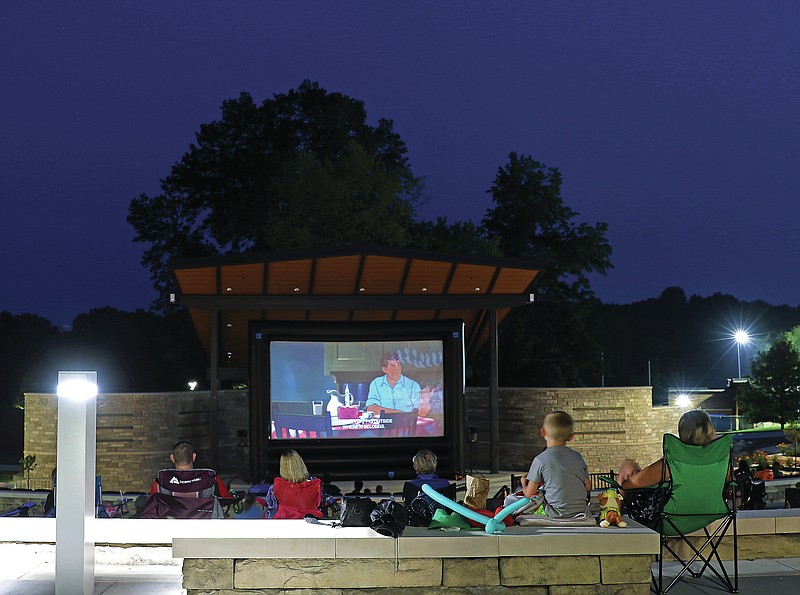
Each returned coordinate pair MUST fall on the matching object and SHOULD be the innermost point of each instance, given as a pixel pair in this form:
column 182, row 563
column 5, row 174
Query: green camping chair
column 700, row 480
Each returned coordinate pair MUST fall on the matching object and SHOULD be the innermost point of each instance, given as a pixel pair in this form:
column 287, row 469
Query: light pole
column 75, row 495
column 742, row 338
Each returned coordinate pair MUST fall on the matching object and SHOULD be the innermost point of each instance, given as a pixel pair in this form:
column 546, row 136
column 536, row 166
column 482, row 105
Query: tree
column 24, row 338
column 27, row 464
column 774, row 390
column 131, row 351
column 550, row 340
column 302, row 169
column 530, row 220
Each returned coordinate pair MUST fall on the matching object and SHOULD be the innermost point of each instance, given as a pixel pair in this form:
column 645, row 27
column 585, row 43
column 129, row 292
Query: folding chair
column 700, row 479
column 184, row 494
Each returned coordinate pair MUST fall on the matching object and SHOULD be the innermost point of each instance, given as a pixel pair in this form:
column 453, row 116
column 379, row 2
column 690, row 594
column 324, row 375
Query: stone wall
column 541, row 575
column 136, row 431
column 610, row 424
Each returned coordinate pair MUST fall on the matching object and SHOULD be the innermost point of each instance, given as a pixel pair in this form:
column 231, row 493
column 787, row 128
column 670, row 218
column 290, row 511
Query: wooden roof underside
column 376, row 284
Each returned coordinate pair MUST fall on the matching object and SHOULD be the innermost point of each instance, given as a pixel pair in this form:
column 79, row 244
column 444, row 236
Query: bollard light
column 75, row 481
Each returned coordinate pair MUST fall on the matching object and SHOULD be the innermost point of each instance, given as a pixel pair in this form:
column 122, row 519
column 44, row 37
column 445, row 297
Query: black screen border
column 358, row 457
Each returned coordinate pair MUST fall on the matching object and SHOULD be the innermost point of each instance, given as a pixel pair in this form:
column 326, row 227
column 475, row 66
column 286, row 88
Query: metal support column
column 494, row 395
column 214, row 389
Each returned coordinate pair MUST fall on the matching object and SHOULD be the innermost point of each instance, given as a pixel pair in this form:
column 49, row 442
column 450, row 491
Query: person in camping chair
column 695, row 428
column 183, row 457
column 295, row 493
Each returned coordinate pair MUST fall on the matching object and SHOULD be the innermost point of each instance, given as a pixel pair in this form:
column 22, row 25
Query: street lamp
column 742, row 338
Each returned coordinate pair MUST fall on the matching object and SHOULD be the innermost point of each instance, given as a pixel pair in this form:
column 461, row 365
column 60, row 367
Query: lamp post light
column 75, row 495
column 742, row 338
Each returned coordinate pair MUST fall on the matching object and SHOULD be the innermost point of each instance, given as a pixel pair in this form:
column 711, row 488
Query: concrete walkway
column 29, row 569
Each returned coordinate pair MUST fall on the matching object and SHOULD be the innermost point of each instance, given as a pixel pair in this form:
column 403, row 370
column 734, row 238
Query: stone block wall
column 136, row 431
column 610, row 424
column 544, row 575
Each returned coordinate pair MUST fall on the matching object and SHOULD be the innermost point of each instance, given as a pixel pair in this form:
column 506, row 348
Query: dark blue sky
column 676, row 123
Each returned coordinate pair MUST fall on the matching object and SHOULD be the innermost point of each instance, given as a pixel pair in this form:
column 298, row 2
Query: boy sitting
column 559, row 474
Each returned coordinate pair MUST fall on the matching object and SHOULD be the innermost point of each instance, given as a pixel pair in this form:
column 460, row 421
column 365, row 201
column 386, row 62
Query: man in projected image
column 395, row 392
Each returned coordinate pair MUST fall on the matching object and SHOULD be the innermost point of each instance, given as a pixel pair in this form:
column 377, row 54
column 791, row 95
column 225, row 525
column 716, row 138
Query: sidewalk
column 29, row 569
column 776, row 577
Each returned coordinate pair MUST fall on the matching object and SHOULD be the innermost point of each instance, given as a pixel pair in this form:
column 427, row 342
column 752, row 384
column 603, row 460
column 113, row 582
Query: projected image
column 358, row 389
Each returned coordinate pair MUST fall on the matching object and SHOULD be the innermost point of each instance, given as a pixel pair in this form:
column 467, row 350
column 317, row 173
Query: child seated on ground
column 558, row 474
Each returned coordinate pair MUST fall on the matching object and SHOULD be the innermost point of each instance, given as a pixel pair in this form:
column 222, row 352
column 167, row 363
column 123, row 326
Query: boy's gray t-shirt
column 563, row 473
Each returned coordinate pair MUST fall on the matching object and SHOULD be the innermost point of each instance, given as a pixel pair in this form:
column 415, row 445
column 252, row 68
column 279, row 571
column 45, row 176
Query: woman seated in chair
column 295, row 493
column 695, row 428
column 424, row 463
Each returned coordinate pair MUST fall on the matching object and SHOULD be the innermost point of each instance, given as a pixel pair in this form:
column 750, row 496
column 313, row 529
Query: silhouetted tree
column 548, row 342
column 774, row 390
column 302, row 169
column 24, row 338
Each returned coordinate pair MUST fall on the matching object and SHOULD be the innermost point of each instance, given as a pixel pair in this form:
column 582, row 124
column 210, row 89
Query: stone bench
column 278, row 556
column 283, row 556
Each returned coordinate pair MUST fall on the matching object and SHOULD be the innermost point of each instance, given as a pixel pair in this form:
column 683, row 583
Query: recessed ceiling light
column 424, row 289
column 361, row 289
column 296, row 289
column 477, row 289
column 228, row 289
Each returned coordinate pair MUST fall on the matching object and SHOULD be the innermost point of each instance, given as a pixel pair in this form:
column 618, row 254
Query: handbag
column 644, row 505
column 477, row 491
column 356, row 512
column 420, row 510
column 389, row 518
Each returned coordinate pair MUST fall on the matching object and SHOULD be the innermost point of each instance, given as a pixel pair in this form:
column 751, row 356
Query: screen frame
column 352, row 458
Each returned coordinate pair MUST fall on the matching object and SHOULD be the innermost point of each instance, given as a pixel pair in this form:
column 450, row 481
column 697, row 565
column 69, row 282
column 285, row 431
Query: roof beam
column 348, row 302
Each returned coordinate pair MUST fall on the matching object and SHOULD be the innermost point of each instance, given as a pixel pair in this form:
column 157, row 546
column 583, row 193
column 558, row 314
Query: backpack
column 421, row 509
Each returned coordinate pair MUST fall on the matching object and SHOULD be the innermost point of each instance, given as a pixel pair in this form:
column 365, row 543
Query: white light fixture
column 742, row 338
column 683, row 400
column 78, row 388
column 192, row 384
column 75, row 497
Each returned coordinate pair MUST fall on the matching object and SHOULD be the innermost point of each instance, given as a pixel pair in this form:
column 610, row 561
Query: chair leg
column 713, row 540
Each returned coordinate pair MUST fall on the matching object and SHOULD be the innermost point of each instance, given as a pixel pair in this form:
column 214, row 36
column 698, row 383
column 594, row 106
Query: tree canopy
column 530, row 220
column 774, row 390
column 551, row 342
column 305, row 169
column 301, row 169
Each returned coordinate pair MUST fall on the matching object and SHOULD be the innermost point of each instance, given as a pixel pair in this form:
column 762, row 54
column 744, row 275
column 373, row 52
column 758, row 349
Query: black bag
column 420, row 510
column 389, row 518
column 643, row 505
column 356, row 512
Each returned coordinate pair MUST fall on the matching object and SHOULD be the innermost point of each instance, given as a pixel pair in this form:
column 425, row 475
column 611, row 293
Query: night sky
column 676, row 123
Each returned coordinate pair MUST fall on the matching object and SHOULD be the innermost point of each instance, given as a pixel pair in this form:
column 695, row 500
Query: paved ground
column 772, row 577
column 29, row 569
